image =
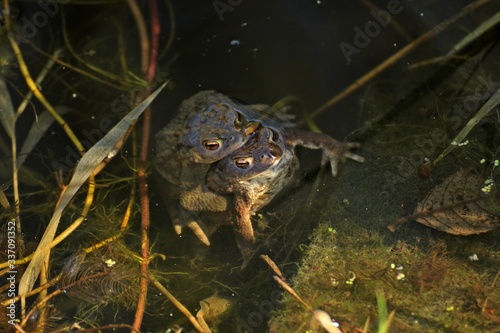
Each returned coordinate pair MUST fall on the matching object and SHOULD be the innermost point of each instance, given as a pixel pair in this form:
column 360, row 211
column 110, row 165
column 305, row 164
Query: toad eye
column 275, row 136
column 242, row 162
column 238, row 119
column 212, row 145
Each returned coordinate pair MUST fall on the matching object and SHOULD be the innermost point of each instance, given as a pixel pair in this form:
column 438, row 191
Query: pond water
column 322, row 232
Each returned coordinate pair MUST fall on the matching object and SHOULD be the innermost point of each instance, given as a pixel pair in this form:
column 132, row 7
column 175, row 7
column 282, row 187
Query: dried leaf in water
column 457, row 206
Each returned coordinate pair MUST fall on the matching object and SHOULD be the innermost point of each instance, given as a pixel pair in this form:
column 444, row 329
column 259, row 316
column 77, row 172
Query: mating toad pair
column 221, row 161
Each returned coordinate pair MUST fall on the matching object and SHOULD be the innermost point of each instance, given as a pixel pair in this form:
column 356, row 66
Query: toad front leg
column 242, row 224
column 333, row 150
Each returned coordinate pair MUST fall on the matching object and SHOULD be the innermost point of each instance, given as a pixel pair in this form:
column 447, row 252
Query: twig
column 13, row 139
column 128, row 210
column 56, row 292
column 112, row 327
column 398, row 27
column 120, row 42
column 273, row 266
column 487, row 107
column 171, row 34
column 43, row 279
column 122, row 85
column 141, row 302
column 19, row 328
column 437, row 60
column 143, row 33
column 15, row 185
column 155, row 39
column 495, row 280
column 287, row 288
column 398, row 55
column 176, row 303
column 96, row 69
column 103, row 243
column 292, row 292
column 41, row 76
column 83, row 216
column 88, row 202
column 33, row 292
column 34, row 88
column 485, row 303
column 148, row 67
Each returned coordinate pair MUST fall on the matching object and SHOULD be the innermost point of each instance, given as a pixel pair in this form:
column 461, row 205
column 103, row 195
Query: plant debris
column 457, row 206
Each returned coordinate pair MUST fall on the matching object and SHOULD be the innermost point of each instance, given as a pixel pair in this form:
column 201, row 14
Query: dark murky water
column 257, row 52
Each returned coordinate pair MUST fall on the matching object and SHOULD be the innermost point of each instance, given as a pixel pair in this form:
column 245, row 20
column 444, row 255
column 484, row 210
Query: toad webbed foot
column 333, row 151
column 182, row 218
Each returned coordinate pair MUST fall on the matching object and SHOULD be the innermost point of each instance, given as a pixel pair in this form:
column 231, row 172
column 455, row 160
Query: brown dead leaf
column 457, row 206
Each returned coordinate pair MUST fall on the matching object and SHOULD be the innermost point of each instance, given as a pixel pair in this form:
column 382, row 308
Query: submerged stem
column 397, row 56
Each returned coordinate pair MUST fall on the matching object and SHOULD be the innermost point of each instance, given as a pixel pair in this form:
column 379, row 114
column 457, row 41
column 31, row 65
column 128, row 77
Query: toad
column 220, row 162
column 207, row 127
column 253, row 174
column 259, row 170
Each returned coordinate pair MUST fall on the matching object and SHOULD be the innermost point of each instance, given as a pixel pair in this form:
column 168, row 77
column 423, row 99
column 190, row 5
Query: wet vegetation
column 85, row 242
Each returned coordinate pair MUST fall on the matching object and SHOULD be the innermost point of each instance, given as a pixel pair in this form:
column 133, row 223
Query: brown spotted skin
column 207, row 127
column 220, row 162
column 253, row 174
column 202, row 121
